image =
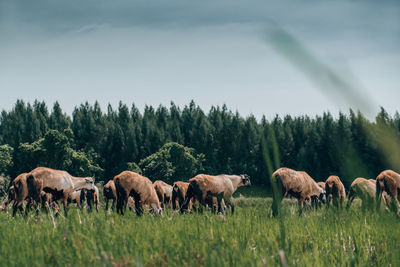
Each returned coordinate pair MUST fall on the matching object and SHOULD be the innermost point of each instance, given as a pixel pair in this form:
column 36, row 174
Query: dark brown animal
column 389, row 182
column 179, row 190
column 221, row 186
column 48, row 202
column 335, row 191
column 295, row 183
column 140, row 188
column 110, row 192
column 22, row 192
column 92, row 198
column 164, row 192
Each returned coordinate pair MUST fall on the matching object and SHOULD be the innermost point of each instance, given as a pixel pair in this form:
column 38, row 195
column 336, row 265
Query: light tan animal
column 365, row 190
column 140, row 188
column 110, row 192
column 295, row 183
column 222, row 186
column 164, row 192
column 60, row 183
column 335, row 191
column 389, row 182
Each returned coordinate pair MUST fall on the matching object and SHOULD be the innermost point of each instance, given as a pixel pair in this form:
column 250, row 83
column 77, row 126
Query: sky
column 151, row 52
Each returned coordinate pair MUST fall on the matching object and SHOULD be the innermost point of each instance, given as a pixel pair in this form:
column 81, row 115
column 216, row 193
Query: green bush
column 172, row 162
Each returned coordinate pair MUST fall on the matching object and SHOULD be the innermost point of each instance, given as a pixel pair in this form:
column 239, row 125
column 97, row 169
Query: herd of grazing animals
column 45, row 187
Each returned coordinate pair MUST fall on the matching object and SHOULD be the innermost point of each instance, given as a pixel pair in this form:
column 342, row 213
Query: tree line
column 174, row 143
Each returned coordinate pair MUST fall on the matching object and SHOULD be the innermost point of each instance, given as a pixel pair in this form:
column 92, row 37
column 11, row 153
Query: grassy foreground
column 248, row 238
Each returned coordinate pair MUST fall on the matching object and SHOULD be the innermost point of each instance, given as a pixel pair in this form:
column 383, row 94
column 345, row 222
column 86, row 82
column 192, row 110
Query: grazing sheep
column 221, row 186
column 389, row 182
column 365, row 190
column 179, row 190
column 59, row 183
column 110, row 192
column 335, row 191
column 164, row 192
column 140, row 188
column 295, row 183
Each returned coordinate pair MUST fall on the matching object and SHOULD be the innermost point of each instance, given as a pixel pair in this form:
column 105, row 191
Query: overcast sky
column 214, row 52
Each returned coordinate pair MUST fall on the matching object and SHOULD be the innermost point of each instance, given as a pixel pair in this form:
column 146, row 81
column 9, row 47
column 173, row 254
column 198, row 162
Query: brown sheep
column 295, row 183
column 164, row 192
column 389, row 182
column 179, row 190
column 222, row 187
column 322, row 196
column 60, row 183
column 21, row 193
column 364, row 189
column 76, row 197
column 110, row 192
column 49, row 201
column 335, row 191
column 92, row 198
column 140, row 188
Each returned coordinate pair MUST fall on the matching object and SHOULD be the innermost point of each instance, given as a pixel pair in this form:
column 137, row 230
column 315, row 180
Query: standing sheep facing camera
column 388, row 182
column 110, row 192
column 335, row 191
column 179, row 190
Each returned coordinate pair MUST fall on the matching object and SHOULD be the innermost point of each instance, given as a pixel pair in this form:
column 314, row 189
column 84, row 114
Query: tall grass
column 249, row 237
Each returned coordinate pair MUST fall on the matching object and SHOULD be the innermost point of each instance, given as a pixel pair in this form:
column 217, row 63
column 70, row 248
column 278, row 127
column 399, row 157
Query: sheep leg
column 27, row 206
column 17, row 206
column 65, row 203
column 138, row 206
column 113, row 204
column 106, row 204
column 350, row 200
column 301, row 205
column 78, row 203
column 185, row 204
column 45, row 205
column 173, row 201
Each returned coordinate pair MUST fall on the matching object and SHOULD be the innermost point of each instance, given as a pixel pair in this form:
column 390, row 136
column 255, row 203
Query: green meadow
column 250, row 237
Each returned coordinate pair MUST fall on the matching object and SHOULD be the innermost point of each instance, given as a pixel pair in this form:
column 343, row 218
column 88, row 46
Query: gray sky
column 215, row 52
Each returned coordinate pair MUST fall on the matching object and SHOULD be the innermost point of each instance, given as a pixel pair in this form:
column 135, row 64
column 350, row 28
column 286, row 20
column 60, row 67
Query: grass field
column 250, row 237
